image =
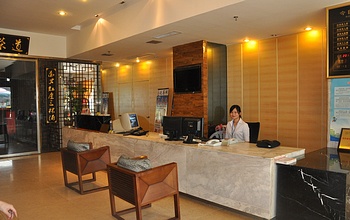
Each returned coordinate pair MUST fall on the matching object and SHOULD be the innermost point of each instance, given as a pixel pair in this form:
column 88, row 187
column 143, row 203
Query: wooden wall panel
column 288, row 90
column 195, row 104
column 250, row 108
column 312, row 87
column 161, row 77
column 268, row 89
column 108, row 81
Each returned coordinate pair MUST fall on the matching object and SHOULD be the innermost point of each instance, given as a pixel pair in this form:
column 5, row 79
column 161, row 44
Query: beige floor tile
column 34, row 185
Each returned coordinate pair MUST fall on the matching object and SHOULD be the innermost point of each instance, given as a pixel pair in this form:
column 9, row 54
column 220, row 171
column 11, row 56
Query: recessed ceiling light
column 246, row 40
column 308, row 28
column 62, row 13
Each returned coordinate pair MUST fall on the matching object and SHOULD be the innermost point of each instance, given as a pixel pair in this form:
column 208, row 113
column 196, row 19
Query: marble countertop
column 247, row 149
column 328, row 159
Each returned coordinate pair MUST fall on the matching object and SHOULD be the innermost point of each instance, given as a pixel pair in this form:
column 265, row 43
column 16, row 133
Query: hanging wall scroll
column 51, row 95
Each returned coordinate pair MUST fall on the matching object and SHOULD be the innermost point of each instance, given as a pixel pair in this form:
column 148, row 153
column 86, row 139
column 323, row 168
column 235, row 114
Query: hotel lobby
column 253, row 53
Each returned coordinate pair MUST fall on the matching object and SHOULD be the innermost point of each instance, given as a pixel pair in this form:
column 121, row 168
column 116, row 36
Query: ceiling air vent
column 107, row 54
column 154, row 42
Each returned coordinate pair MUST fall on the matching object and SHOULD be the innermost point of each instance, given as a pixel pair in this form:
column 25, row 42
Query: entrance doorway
column 18, row 107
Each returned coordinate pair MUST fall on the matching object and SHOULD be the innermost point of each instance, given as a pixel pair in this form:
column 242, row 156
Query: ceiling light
column 172, row 33
column 137, row 60
column 62, row 13
column 308, row 28
column 246, row 40
column 117, row 65
column 96, row 16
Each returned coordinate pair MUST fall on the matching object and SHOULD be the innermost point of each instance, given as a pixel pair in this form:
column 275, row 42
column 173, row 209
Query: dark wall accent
column 217, row 84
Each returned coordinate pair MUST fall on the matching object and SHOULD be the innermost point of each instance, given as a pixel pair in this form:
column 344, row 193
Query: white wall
column 42, row 44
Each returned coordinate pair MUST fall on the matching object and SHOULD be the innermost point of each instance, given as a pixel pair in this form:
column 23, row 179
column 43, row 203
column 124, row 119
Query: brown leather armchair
column 83, row 163
column 142, row 188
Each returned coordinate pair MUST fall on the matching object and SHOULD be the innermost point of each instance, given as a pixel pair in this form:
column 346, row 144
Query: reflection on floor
column 19, row 146
column 34, row 185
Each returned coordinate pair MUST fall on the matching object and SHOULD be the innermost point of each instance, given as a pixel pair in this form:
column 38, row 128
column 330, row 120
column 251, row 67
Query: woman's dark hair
column 235, row 107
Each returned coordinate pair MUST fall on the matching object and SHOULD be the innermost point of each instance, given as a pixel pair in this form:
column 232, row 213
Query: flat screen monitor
column 129, row 121
column 188, row 79
column 172, row 127
column 192, row 126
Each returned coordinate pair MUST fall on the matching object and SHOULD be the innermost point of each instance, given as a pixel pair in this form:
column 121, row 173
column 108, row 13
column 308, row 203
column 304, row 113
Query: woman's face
column 234, row 114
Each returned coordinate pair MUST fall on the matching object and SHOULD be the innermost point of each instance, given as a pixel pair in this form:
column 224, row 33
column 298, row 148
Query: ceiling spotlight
column 117, row 65
column 308, row 28
column 96, row 16
column 137, row 60
column 62, row 13
column 122, row 2
column 235, row 17
column 246, row 40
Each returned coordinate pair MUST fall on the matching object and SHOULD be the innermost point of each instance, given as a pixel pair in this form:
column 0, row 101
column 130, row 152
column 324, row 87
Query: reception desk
column 317, row 187
column 240, row 176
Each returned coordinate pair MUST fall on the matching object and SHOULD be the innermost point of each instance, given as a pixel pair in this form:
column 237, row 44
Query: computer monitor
column 172, row 127
column 192, row 127
column 129, row 121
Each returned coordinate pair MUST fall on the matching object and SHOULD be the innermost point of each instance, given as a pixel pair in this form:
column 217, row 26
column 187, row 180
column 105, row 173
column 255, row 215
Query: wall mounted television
column 188, row 79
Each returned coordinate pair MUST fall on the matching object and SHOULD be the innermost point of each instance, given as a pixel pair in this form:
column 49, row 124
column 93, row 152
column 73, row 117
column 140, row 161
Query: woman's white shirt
column 240, row 132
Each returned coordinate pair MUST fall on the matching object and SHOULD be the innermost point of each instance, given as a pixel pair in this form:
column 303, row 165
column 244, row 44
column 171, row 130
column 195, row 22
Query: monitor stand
column 189, row 139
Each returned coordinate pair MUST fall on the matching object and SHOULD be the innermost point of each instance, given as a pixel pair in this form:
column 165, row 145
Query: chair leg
column 80, row 181
column 177, row 206
column 65, row 177
column 138, row 211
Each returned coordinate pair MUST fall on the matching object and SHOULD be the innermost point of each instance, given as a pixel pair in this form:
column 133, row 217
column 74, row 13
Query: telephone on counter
column 212, row 143
column 230, row 141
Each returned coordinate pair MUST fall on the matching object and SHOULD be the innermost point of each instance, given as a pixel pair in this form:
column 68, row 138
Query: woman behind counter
column 237, row 128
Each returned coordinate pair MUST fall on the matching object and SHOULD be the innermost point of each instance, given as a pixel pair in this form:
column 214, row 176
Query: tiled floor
column 34, row 185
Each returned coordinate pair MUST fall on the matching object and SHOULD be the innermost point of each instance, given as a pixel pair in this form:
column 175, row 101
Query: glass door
column 18, row 107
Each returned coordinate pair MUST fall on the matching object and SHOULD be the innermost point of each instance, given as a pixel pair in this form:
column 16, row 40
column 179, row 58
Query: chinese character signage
column 14, row 44
column 51, row 95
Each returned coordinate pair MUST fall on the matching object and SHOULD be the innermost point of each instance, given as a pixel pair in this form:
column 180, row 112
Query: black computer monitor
column 172, row 127
column 192, row 127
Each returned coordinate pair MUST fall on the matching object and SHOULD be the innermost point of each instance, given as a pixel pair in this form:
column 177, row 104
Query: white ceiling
column 257, row 19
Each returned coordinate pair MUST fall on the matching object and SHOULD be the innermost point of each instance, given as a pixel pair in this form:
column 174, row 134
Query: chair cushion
column 135, row 164
column 78, row 146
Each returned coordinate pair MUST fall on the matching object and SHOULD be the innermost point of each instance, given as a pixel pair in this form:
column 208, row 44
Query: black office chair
column 254, row 128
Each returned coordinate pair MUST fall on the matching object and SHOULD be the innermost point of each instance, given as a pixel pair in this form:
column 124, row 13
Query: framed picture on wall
column 344, row 140
column 338, row 41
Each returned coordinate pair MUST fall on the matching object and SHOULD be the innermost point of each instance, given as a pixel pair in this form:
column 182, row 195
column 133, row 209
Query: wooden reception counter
column 240, row 176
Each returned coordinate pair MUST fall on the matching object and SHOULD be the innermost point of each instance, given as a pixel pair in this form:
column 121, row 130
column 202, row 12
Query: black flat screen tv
column 188, row 79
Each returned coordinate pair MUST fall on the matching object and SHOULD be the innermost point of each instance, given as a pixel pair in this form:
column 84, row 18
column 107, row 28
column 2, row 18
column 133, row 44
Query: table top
column 326, row 159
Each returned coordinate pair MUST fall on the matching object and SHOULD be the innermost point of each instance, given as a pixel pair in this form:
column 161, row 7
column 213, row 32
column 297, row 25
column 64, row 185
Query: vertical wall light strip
column 259, row 72
column 277, row 89
column 298, row 92
column 242, row 84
